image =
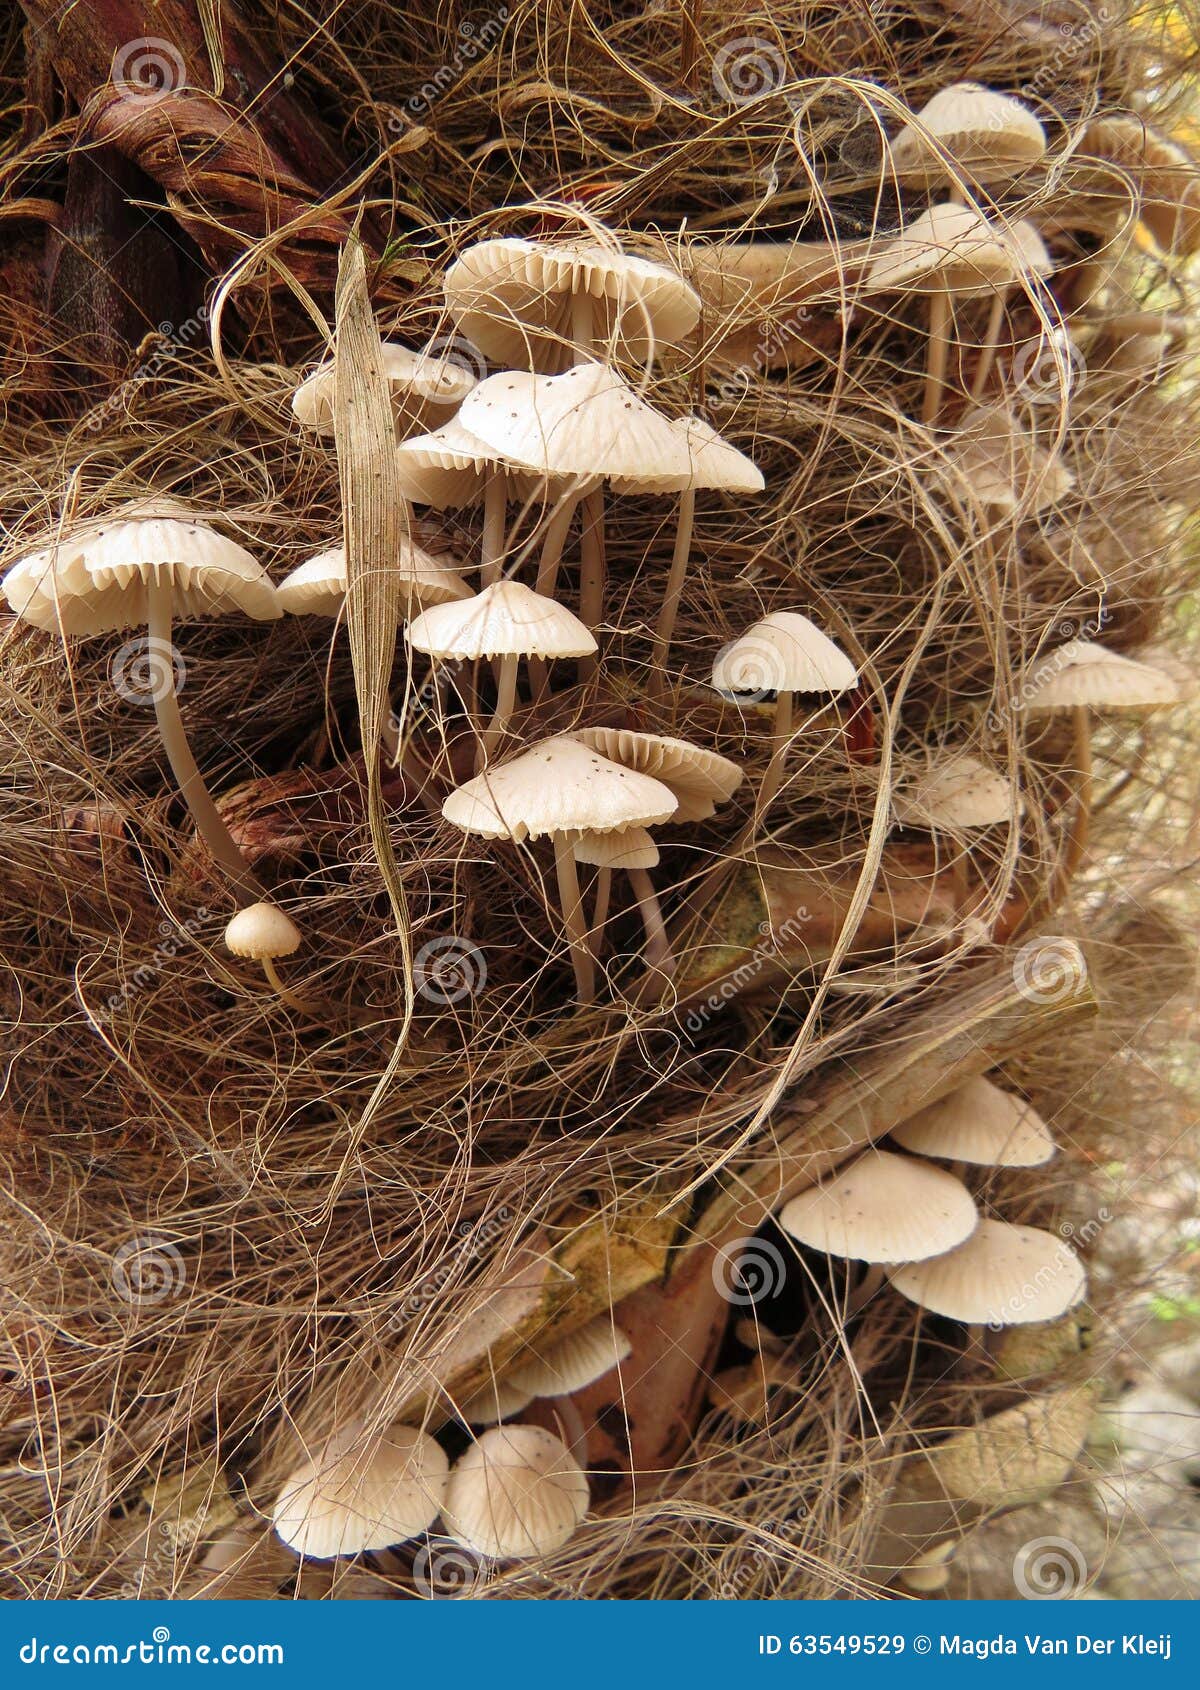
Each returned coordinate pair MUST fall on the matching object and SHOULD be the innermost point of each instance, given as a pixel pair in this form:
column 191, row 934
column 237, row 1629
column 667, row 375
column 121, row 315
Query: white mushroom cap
column 504, row 620
column 988, row 133
column 700, row 779
column 560, row 786
column 574, row 1361
column 882, row 1208
column 512, row 298
column 105, row 566
column 784, row 652
column 317, row 587
column 1004, row 464
column 713, row 464
column 1031, row 249
column 947, row 247
column 587, row 421
column 980, row 1124
column 422, row 387
column 516, row 1493
column 1002, row 1276
column 957, row 791
column 632, row 847
column 262, row 931
column 498, row 1400
column 1082, row 673
column 358, row 1494
column 449, row 469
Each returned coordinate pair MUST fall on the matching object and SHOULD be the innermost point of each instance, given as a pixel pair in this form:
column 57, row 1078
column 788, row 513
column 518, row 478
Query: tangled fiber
column 228, row 1228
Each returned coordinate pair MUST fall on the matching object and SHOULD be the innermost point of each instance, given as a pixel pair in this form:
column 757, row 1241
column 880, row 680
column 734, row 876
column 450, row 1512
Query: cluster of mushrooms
column 539, row 447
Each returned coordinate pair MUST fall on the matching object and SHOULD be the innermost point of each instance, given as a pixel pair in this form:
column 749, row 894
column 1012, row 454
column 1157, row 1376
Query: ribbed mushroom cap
column 1168, row 190
column 784, row 652
column 989, row 134
column 1082, row 673
column 262, row 931
column 947, row 247
column 356, row 1495
column 1004, row 464
column 574, row 1361
column 587, row 421
column 957, row 791
column 504, row 620
column 882, row 1208
column 700, row 779
column 980, row 1124
column 714, row 465
column 498, row 1400
column 1002, row 1276
column 105, row 566
column 422, row 387
column 516, row 1493
column 317, row 587
column 45, row 588
column 449, row 469
column 560, row 786
column 1031, row 249
column 512, row 298
column 632, row 847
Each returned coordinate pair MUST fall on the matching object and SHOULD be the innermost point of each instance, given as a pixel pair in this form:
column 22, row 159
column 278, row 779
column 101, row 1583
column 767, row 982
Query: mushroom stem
column 190, row 781
column 937, row 356
column 1077, row 839
column 506, row 698
column 600, row 909
column 781, row 736
column 572, row 913
column 866, row 1288
column 492, row 543
column 991, row 339
column 658, row 952
column 547, row 580
column 669, row 609
column 284, row 992
column 591, row 539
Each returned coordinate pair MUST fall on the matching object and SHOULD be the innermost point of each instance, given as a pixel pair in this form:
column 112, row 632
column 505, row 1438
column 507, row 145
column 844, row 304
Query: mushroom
column 425, row 387
column 1164, row 174
column 979, row 1124
column 947, row 250
column 883, row 1208
column 560, row 789
column 784, row 653
column 985, row 134
column 1004, row 466
column 929, row 1571
column 520, row 301
column 507, row 621
column 573, row 1362
column 1002, row 1275
column 498, row 1400
column 957, row 791
column 317, row 587
column 634, row 851
column 516, row 1493
column 360, row 1493
column 263, row 933
column 147, row 563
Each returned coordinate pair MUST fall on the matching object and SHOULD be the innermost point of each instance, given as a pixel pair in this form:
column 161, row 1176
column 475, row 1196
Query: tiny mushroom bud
column 263, row 933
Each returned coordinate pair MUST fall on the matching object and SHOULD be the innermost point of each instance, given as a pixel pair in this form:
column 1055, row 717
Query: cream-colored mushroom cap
column 1031, row 249
column 560, row 786
column 714, row 465
column 700, row 779
column 45, row 588
column 882, row 1208
column 587, row 421
column 1002, row 1276
column 989, row 134
column 980, row 1124
column 357, row 1493
column 512, row 298
column 498, row 1400
column 1168, row 191
column 575, row 1361
column 449, row 469
column 1004, row 464
column 317, row 587
column 262, row 930
column 784, row 652
column 1082, row 673
column 947, row 247
column 504, row 620
column 421, row 384
column 516, row 1493
column 957, row 791
column 632, row 847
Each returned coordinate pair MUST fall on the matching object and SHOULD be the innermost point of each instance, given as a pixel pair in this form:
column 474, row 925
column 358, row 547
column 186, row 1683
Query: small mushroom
column 784, row 653
column 978, row 1123
column 573, row 1362
column 507, row 621
column 558, row 790
column 929, row 1571
column 425, row 388
column 359, row 1493
column 985, row 134
column 1001, row 1276
column 498, row 1400
column 317, row 587
column 148, row 563
column 516, row 1493
column 957, row 791
column 1003, row 464
column 263, row 933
